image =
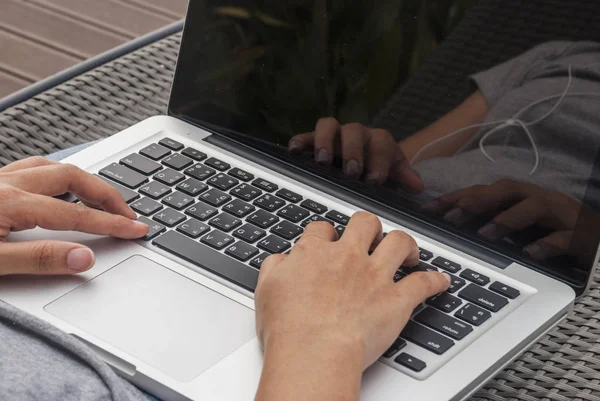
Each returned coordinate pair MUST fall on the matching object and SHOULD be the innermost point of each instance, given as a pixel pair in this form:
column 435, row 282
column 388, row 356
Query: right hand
column 27, row 188
column 372, row 151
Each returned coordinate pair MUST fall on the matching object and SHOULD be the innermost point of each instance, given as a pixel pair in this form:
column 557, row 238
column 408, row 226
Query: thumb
column 405, row 175
column 417, row 287
column 44, row 258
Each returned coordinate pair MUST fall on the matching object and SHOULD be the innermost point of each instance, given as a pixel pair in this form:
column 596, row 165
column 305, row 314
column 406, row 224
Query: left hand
column 514, row 206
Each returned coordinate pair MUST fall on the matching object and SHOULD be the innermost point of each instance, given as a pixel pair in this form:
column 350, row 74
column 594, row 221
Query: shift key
column 123, row 175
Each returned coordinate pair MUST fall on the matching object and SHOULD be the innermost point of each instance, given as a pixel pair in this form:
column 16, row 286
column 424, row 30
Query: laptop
column 214, row 179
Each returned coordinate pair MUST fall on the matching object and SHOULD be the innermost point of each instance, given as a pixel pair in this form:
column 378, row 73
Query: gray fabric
column 40, row 362
column 568, row 140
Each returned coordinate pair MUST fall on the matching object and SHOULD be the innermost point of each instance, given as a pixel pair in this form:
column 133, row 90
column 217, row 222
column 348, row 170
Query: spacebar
column 209, row 259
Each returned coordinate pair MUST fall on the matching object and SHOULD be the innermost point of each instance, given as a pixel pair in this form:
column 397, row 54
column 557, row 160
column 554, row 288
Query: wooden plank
column 109, row 14
column 172, row 8
column 29, row 59
column 10, row 84
column 72, row 37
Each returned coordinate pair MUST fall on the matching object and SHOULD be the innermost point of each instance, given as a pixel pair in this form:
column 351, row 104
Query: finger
column 30, row 211
column 404, row 174
column 326, row 131
column 57, row 179
column 381, row 155
column 30, row 162
column 395, row 250
column 364, row 230
column 44, row 257
column 556, row 244
column 518, row 217
column 302, row 142
column 415, row 288
column 321, row 230
column 353, row 138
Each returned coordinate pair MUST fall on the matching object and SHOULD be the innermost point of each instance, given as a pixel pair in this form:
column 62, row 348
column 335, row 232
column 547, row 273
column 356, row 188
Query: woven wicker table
column 564, row 365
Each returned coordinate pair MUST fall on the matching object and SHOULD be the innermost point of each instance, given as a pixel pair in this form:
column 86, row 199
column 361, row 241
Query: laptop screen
column 499, row 151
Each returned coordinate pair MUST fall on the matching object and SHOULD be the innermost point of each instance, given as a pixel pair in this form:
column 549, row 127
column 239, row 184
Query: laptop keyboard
column 227, row 221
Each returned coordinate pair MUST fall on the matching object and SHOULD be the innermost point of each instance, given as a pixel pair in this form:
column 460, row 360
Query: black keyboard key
column 340, row 230
column 155, row 151
column 338, row 217
column 217, row 239
column 446, row 264
column 269, row 202
column 200, row 172
column 262, row 219
column 241, row 251
column 154, row 228
column 240, row 174
column 315, row 217
column 215, row 197
column 169, row 217
column 424, row 254
column 264, row 184
column 274, row 244
column 193, row 228
column 426, row 338
column 443, row 323
column 171, row 144
column 398, row 276
column 444, row 302
column 225, row 222
column 246, row 192
column 505, row 290
column 223, row 182
column 127, row 194
column 294, row 213
column 201, row 211
column 249, row 233
column 475, row 277
column 257, row 261
column 421, row 267
column 394, row 348
column 287, row 230
column 482, row 297
column 289, row 195
column 140, row 164
column 177, row 161
column 410, row 362
column 238, row 208
column 216, row 163
column 418, row 309
column 473, row 314
column 169, row 176
column 208, row 259
column 146, row 206
column 155, row 190
column 123, row 175
column 314, row 206
column 456, row 283
column 194, row 154
column 178, row 200
column 192, row 186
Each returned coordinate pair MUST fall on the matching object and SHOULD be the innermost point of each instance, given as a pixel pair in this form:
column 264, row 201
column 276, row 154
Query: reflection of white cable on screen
column 515, row 122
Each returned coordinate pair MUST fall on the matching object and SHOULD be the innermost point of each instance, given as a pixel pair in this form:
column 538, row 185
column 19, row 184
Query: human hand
column 363, row 150
column 334, row 296
column 512, row 207
column 26, row 190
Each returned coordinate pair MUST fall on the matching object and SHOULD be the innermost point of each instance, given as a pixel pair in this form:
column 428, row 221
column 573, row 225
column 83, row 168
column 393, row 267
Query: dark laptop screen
column 321, row 85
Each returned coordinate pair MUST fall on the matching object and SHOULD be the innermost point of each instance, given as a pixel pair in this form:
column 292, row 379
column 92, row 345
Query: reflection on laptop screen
column 309, row 81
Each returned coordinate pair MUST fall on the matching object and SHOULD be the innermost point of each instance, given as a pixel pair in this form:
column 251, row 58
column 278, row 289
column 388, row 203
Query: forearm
column 310, row 371
column 471, row 112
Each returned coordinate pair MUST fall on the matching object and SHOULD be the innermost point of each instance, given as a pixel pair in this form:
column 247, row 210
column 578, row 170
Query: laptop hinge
column 361, row 202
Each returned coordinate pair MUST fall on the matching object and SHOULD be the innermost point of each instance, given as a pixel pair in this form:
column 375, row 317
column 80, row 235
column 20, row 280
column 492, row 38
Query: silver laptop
column 173, row 312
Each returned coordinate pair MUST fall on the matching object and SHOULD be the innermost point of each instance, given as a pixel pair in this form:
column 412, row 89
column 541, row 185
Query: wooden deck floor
column 41, row 37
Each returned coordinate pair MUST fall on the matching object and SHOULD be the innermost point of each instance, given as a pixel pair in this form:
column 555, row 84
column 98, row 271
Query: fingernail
column 294, row 146
column 489, row 231
column 373, row 177
column 351, row 167
column 535, row 252
column 139, row 225
column 322, row 155
column 80, row 259
column 455, row 216
column 447, row 277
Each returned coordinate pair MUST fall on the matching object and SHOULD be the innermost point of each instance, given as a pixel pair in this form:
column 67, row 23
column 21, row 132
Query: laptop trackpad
column 158, row 316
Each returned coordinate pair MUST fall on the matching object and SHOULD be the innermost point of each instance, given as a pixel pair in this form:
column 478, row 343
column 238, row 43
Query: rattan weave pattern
column 563, row 365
